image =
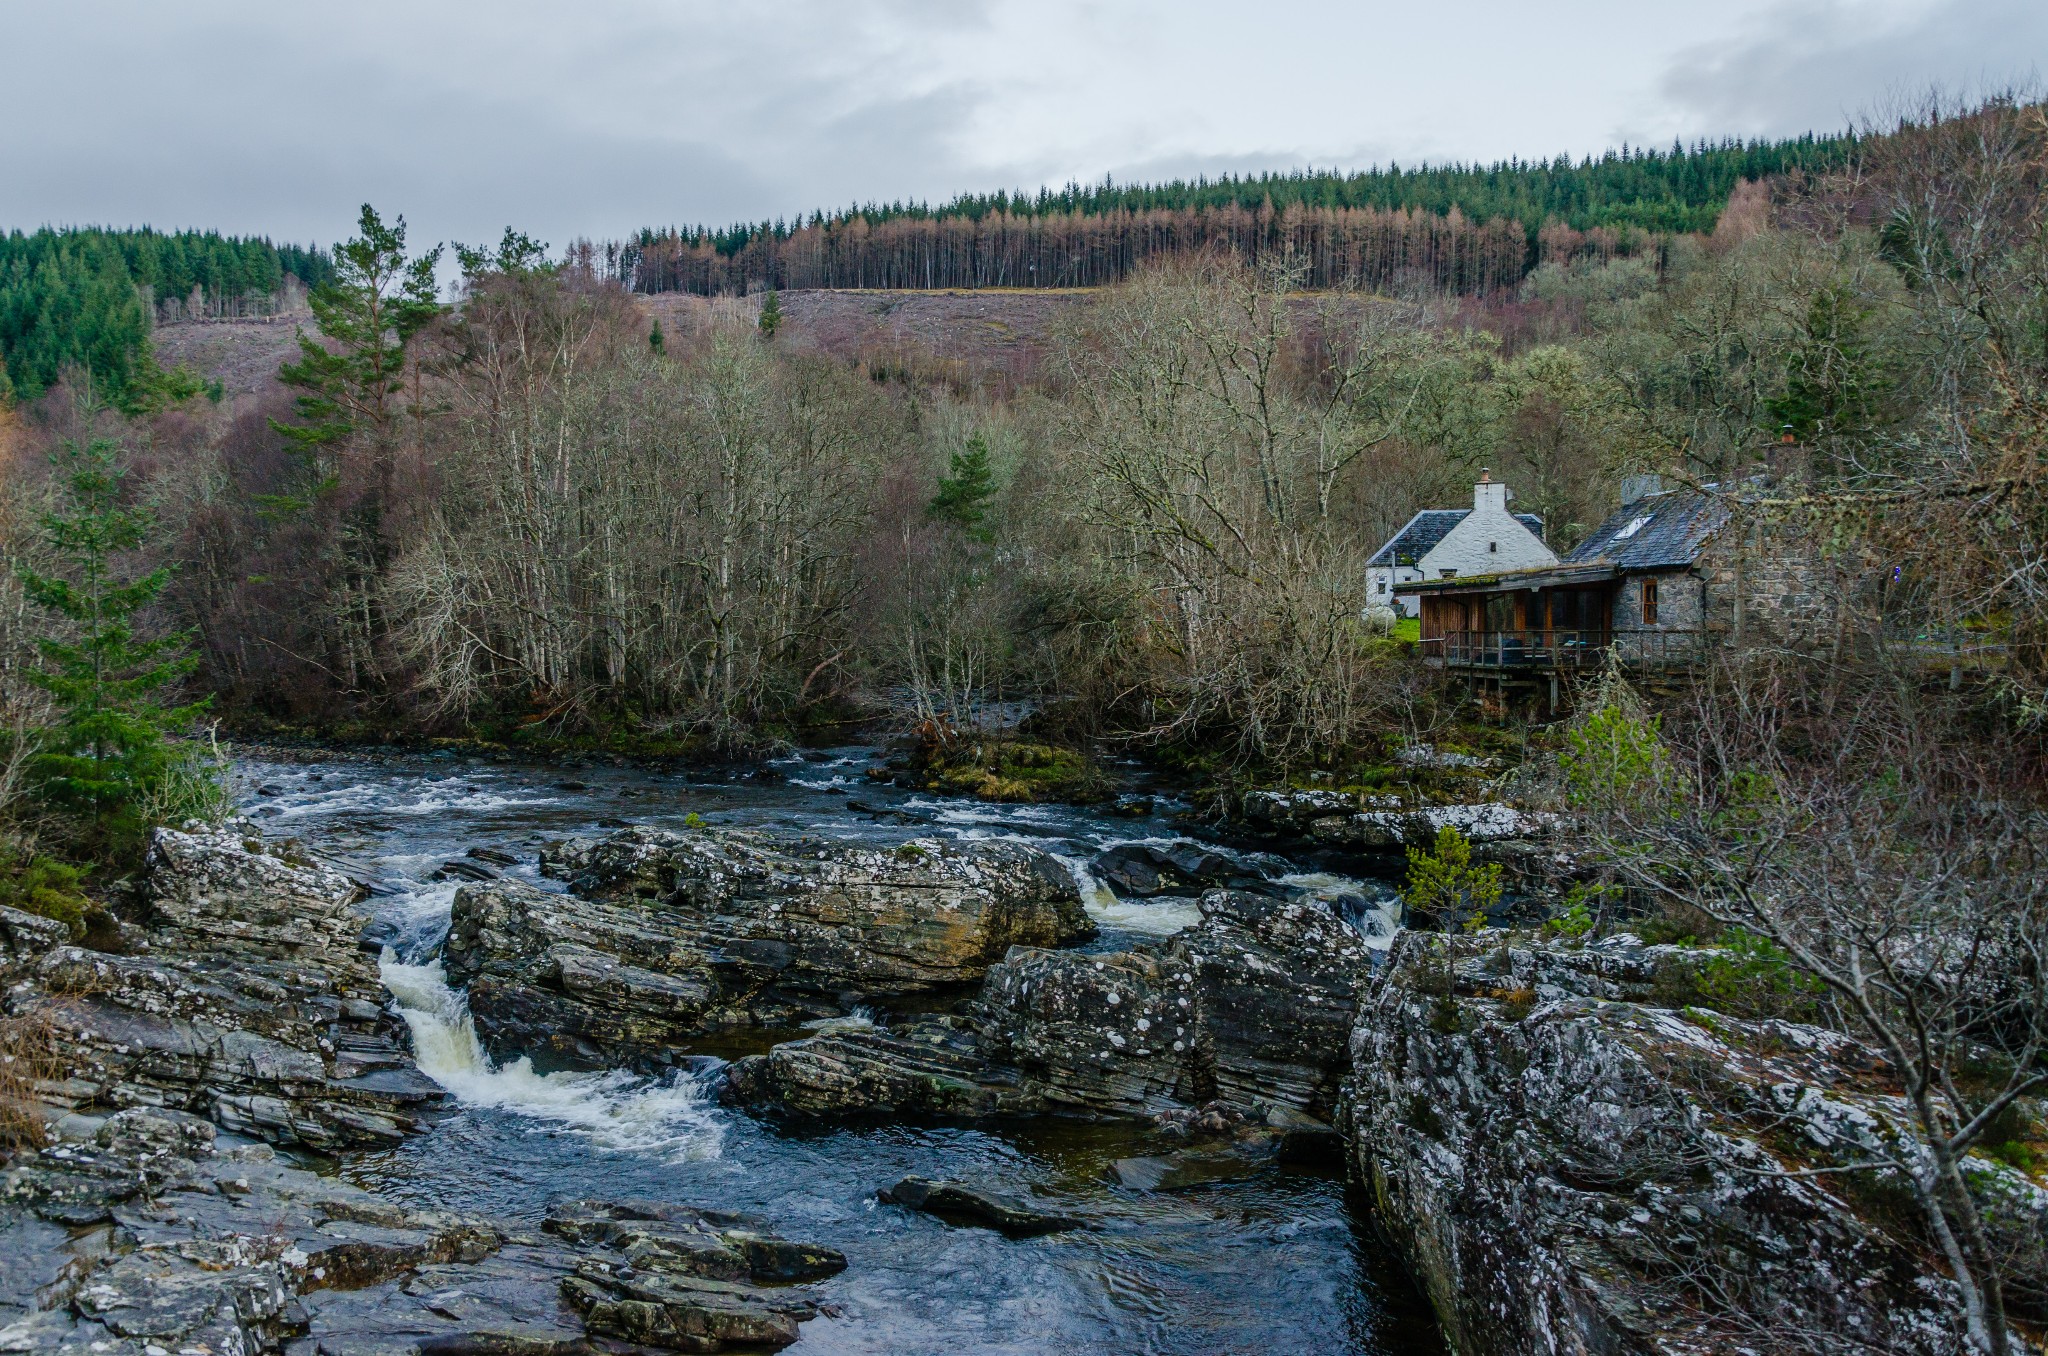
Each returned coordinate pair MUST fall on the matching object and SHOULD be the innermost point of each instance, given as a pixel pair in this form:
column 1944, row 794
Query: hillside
column 242, row 355
column 1466, row 229
column 1000, row 333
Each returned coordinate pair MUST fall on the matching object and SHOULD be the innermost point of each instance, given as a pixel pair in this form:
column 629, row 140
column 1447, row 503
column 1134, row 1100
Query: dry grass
column 28, row 1061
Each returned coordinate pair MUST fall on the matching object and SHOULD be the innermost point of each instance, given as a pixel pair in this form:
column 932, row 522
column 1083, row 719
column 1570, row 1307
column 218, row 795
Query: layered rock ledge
column 1570, row 1165
column 246, row 998
column 149, row 1239
column 664, row 937
column 1250, row 1009
column 1379, row 826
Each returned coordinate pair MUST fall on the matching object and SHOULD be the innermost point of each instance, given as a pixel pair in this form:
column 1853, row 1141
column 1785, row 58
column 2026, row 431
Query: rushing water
column 1275, row 1263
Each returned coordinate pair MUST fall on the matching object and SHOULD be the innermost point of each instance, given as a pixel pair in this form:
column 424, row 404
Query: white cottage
column 1450, row 543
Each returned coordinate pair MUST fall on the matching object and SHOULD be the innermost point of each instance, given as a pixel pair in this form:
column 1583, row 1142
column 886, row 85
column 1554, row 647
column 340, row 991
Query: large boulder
column 1108, row 1035
column 25, row 936
column 1252, row 1008
column 1292, row 810
column 1524, row 842
column 577, row 980
column 227, row 893
column 249, row 1001
column 822, row 916
column 1142, row 870
column 1249, row 1011
column 1572, row 1167
column 1275, row 985
column 664, row 936
column 1492, row 825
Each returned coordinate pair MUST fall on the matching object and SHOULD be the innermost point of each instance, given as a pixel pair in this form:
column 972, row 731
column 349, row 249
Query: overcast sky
column 593, row 118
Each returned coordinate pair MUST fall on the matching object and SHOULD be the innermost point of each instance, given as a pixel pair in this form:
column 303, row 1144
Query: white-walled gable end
column 1489, row 541
column 1440, row 543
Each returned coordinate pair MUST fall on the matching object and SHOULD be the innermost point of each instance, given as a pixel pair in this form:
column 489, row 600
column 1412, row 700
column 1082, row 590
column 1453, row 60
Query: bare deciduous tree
column 1877, row 845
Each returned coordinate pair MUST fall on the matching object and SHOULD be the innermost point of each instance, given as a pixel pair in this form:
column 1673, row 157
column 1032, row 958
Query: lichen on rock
column 1569, row 1165
column 668, row 936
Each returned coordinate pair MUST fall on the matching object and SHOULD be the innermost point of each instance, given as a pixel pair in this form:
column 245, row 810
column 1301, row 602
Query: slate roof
column 1675, row 526
column 1429, row 527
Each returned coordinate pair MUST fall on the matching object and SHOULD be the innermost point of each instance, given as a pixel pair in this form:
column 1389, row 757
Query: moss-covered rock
column 999, row 768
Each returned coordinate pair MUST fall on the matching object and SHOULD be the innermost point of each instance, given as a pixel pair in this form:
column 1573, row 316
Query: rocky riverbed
column 501, row 1060
column 601, row 1064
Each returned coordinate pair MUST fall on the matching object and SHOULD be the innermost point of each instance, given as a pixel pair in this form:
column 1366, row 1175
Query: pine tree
column 108, row 760
column 367, row 312
column 964, row 492
column 654, row 338
column 771, row 315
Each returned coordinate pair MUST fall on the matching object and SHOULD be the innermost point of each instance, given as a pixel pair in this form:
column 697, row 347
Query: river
column 1280, row 1262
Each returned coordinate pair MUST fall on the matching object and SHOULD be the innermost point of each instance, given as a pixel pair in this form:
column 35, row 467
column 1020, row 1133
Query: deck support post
column 1553, row 694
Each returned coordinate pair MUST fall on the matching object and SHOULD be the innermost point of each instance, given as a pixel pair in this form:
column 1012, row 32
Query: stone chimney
column 1488, row 495
column 1640, row 487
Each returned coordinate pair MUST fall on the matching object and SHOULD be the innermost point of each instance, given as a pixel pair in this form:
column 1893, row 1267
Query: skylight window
column 1635, row 526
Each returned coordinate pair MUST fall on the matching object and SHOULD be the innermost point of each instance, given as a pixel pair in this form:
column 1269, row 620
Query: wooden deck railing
column 1553, row 651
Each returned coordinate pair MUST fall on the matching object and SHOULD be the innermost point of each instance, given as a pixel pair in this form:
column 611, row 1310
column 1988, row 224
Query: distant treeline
column 86, row 297
column 1461, row 228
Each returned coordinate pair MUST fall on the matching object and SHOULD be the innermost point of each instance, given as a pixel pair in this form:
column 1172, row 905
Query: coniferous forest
column 1457, row 228
column 86, row 299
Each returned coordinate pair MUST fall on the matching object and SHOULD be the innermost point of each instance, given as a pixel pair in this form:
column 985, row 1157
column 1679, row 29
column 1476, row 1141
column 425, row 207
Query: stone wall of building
column 1681, row 603
column 1792, row 593
column 1676, row 635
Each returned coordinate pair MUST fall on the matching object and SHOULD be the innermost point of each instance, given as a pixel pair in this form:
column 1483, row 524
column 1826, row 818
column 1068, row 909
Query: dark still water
column 1276, row 1263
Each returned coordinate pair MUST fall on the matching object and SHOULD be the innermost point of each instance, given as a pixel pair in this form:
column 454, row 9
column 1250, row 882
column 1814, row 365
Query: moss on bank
column 1001, row 768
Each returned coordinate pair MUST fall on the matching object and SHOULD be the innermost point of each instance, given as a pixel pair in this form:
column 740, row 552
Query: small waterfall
column 673, row 1117
column 1373, row 910
column 1158, row 917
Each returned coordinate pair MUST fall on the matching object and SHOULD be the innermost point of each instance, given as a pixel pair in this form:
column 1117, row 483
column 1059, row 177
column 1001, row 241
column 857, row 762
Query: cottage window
column 1447, row 574
column 1383, row 586
column 1493, row 546
column 1649, row 602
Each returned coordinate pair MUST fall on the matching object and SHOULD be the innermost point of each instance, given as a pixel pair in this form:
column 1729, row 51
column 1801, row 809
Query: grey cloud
column 1822, row 65
column 597, row 130
column 467, row 115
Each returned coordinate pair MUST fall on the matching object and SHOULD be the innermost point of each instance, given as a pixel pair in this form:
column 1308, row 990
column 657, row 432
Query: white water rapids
column 671, row 1117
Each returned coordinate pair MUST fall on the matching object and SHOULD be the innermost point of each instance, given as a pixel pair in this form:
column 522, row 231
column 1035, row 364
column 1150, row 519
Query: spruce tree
column 965, row 490
column 654, row 338
column 771, row 315
column 1832, row 389
column 107, row 761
